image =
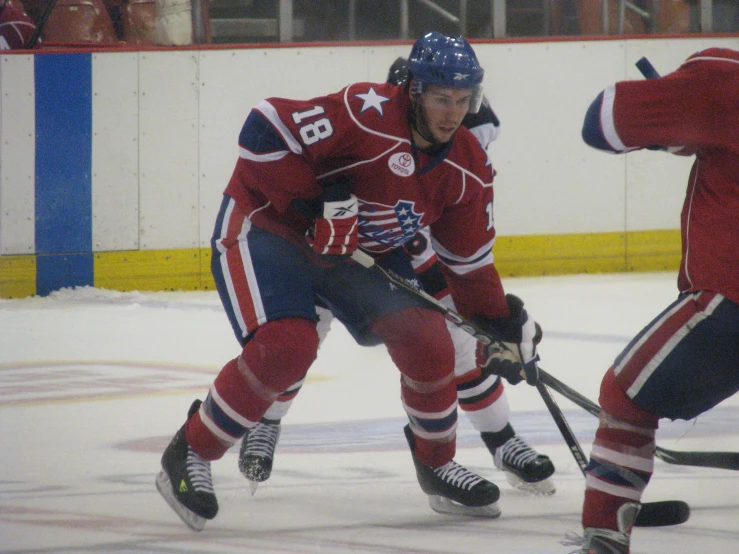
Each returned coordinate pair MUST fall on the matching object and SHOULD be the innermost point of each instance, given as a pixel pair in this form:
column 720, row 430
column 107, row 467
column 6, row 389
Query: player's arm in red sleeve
column 281, row 144
column 463, row 239
column 281, row 149
column 678, row 110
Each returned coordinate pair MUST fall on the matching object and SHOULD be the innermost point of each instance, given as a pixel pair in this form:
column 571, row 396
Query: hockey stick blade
column 652, row 514
column 663, row 513
column 718, row 460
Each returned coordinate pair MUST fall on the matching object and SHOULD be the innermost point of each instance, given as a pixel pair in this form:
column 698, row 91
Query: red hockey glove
column 335, row 234
column 514, row 356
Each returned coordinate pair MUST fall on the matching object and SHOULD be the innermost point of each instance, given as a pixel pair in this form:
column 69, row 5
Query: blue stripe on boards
column 56, row 271
column 63, row 193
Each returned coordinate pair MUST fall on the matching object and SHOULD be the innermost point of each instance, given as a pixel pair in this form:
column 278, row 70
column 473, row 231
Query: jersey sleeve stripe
column 269, row 112
column 269, row 157
column 710, row 59
column 461, row 265
column 606, row 120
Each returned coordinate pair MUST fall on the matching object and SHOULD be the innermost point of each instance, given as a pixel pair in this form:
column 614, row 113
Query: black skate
column 525, row 469
column 258, row 452
column 453, row 489
column 185, row 481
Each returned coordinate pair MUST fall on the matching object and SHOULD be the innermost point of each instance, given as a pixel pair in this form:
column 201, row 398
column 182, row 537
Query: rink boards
column 113, row 162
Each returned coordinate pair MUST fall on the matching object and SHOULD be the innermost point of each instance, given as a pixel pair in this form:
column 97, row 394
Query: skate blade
column 253, row 485
column 191, row 519
column 544, row 487
column 443, row 505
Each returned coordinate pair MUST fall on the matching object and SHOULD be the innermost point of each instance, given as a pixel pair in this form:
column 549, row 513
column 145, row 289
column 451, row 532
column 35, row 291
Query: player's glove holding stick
column 335, row 230
column 515, row 356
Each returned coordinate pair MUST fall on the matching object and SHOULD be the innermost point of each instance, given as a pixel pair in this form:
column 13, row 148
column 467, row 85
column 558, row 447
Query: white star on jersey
column 372, row 100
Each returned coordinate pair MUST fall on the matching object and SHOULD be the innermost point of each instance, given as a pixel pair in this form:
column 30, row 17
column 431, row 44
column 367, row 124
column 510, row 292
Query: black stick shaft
column 720, row 460
column 564, row 427
column 669, row 512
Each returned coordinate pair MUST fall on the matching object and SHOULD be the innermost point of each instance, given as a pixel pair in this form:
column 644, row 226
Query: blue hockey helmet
column 448, row 62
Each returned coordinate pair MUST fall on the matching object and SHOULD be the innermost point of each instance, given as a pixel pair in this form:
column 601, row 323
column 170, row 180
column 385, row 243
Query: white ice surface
column 94, row 383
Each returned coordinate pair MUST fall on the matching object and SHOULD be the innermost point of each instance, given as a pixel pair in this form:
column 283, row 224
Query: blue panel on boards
column 63, row 84
column 56, row 271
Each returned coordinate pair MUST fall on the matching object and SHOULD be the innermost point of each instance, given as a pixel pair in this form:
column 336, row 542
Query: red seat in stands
column 79, row 21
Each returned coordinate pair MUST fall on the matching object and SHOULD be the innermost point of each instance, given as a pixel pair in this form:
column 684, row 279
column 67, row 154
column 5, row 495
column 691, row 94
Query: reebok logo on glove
column 335, row 234
column 341, row 212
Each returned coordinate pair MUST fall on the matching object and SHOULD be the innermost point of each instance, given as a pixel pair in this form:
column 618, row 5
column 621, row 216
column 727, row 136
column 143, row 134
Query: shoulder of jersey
column 375, row 102
column 719, row 53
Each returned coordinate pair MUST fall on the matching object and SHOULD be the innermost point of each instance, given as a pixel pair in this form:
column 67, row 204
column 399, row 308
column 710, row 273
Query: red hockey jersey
column 696, row 107
column 290, row 149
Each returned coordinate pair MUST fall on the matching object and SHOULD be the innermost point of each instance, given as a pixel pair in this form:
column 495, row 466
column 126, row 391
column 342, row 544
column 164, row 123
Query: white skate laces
column 257, row 453
column 516, row 452
column 198, row 470
column 525, row 469
column 262, row 440
column 458, row 476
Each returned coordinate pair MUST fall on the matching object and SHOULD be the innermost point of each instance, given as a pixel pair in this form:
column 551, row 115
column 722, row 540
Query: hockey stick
column 564, row 427
column 646, row 68
column 652, row 514
column 720, row 460
column 41, row 24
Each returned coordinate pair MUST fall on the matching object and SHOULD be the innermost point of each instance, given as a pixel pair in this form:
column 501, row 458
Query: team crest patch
column 402, row 164
column 387, row 226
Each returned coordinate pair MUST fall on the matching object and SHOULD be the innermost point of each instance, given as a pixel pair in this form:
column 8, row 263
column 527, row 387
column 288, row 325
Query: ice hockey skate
column 525, row 469
column 453, row 489
column 604, row 541
column 185, row 481
column 598, row 540
column 257, row 452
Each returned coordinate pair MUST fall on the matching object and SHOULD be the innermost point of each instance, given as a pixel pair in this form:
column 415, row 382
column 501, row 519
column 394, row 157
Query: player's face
column 444, row 109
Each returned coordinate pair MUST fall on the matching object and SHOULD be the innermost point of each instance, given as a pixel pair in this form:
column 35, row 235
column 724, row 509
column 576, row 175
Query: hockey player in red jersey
column 687, row 359
column 16, row 27
column 481, row 394
column 366, row 167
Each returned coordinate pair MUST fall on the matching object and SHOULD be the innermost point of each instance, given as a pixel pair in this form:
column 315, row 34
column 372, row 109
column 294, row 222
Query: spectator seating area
column 184, row 22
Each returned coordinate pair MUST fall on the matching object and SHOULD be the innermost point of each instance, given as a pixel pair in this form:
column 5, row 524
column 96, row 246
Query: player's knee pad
column 615, row 402
column 419, row 343
column 280, row 353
